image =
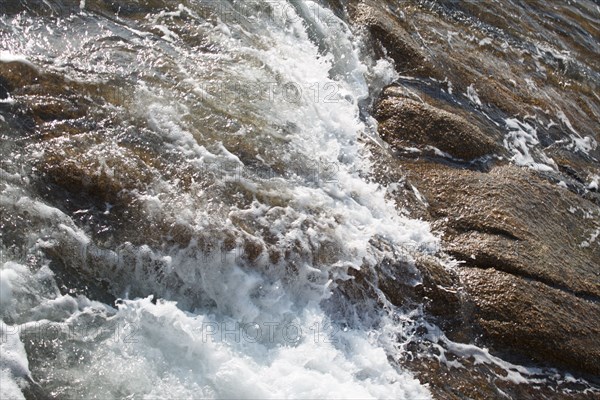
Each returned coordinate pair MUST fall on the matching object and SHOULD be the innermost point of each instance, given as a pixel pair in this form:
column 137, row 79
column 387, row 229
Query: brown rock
column 17, row 74
column 45, row 102
column 530, row 283
column 546, row 324
column 445, row 40
column 386, row 29
column 405, row 123
column 480, row 381
column 77, row 168
column 513, row 221
column 442, row 290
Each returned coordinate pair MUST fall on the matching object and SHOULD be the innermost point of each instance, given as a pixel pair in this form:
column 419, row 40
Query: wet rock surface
column 404, row 123
column 527, row 278
column 391, row 36
column 481, row 382
column 528, row 317
column 512, row 220
column 490, row 64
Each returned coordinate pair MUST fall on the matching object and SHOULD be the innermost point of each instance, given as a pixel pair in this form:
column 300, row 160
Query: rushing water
column 186, row 235
column 257, row 110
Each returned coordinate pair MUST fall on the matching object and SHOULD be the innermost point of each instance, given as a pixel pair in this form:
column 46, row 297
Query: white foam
column 592, row 239
column 510, row 372
column 6, row 56
column 473, row 96
column 579, row 144
column 10, row 389
column 7, row 277
column 170, row 353
column 14, row 366
column 158, row 350
column 594, row 183
column 522, row 141
column 12, row 278
column 485, row 41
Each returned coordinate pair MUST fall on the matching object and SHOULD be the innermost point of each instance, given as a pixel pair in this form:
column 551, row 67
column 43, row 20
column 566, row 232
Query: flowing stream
column 243, row 130
column 190, row 208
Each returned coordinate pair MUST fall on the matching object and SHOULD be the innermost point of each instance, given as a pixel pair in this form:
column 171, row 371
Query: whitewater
column 202, row 320
column 298, row 199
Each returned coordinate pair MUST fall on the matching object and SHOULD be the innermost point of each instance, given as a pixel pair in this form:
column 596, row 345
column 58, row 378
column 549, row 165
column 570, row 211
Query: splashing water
column 243, row 128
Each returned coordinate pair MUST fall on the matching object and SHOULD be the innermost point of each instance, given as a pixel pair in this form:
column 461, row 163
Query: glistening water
column 193, row 189
column 240, row 126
